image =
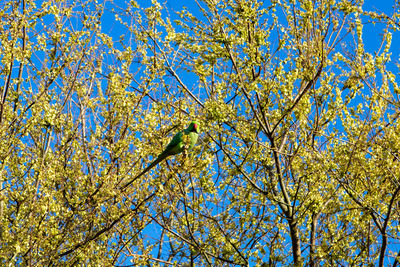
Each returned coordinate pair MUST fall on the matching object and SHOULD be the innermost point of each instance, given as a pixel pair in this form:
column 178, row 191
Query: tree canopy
column 298, row 158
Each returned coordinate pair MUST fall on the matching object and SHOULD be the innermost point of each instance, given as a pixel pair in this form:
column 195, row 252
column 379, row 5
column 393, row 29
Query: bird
column 182, row 141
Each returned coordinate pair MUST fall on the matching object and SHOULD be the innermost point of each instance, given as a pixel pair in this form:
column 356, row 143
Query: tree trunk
column 294, row 235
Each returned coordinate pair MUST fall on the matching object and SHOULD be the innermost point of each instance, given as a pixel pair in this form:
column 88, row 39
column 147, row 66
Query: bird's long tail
column 148, row 168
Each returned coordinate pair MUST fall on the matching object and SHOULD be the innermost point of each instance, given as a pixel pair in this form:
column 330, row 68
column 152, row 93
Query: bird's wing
column 172, row 146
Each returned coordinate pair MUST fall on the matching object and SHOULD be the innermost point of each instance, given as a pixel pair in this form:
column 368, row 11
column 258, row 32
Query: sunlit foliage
column 298, row 161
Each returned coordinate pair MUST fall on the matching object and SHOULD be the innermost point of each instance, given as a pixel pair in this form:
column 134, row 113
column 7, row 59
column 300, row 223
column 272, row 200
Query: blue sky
column 372, row 34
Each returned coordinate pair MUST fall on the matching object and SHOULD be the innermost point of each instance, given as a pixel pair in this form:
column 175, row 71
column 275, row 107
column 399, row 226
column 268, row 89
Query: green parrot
column 183, row 140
